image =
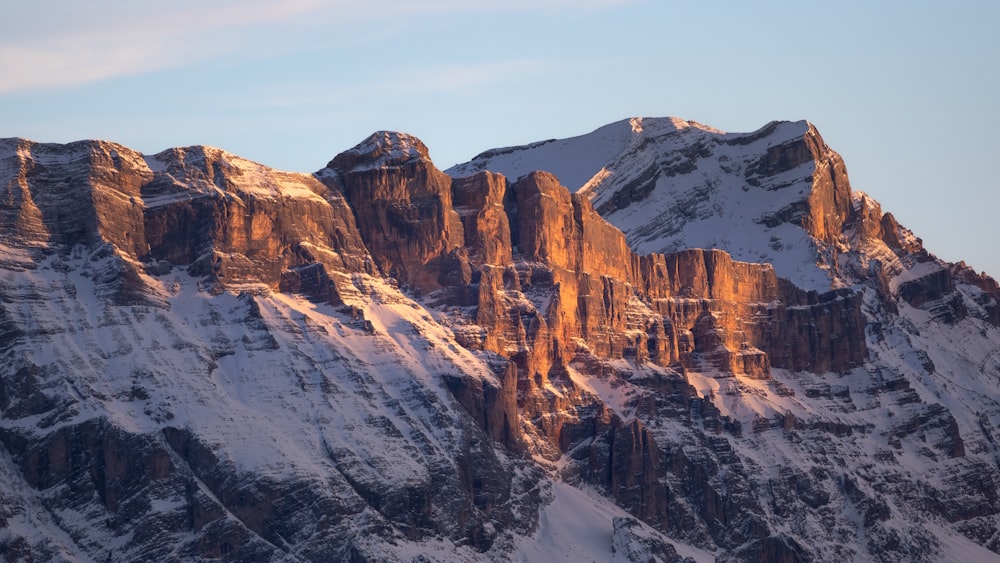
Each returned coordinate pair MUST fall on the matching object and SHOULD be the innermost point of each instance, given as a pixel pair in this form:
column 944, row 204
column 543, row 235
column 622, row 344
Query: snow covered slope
column 255, row 426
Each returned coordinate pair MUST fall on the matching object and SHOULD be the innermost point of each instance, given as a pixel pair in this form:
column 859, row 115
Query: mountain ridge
column 333, row 366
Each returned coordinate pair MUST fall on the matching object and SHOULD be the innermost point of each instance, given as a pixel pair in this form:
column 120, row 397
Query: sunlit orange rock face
column 479, row 201
column 549, row 285
column 678, row 308
column 553, row 281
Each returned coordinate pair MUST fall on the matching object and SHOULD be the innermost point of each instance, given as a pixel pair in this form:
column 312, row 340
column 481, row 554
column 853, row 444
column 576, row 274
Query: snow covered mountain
column 204, row 358
column 777, row 195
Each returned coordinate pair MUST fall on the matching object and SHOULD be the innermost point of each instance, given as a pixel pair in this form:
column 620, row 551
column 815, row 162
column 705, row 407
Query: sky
column 905, row 91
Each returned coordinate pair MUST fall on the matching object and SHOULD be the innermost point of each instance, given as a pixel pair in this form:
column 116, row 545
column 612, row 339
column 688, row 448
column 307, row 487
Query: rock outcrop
column 404, row 210
column 242, row 224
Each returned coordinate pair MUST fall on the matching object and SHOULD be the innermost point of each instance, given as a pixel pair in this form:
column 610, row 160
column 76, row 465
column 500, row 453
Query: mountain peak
column 381, row 149
column 670, row 184
column 662, row 125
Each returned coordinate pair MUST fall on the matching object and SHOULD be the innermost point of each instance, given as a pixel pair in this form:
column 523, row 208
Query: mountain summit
column 655, row 342
column 669, row 184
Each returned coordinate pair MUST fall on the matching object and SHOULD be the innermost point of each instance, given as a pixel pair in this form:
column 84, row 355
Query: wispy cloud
column 64, row 45
column 461, row 79
column 410, row 80
column 54, row 43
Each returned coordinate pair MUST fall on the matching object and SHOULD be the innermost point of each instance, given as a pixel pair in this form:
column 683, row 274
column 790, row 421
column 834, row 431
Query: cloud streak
column 73, row 47
column 420, row 80
column 58, row 43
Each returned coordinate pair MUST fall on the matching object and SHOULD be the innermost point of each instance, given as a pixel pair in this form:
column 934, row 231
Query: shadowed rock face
column 538, row 334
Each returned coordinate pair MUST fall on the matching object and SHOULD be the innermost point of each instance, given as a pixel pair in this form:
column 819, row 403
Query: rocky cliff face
column 781, row 195
column 207, row 358
column 242, row 224
column 216, row 417
column 404, row 211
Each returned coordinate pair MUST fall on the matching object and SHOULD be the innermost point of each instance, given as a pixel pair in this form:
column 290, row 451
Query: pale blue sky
column 905, row 91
